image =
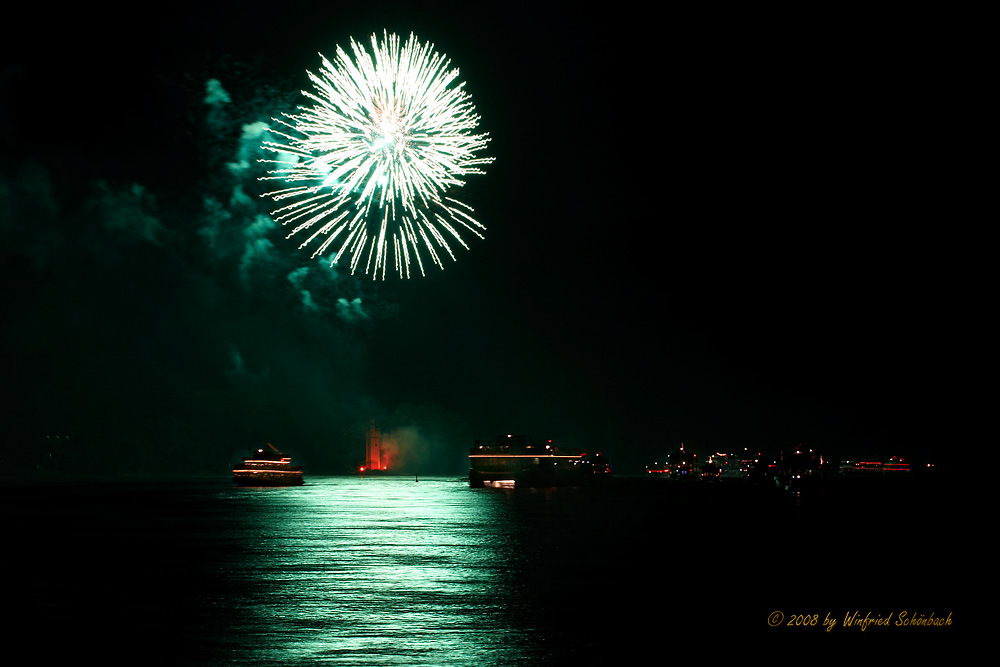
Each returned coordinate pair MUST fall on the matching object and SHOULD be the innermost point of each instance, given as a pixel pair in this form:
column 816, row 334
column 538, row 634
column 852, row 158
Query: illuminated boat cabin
column 267, row 468
column 896, row 465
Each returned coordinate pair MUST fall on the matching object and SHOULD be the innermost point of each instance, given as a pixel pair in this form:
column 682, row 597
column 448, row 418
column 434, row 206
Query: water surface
column 391, row 571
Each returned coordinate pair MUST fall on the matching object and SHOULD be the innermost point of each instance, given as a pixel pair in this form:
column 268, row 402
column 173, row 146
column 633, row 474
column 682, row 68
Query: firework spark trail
column 368, row 165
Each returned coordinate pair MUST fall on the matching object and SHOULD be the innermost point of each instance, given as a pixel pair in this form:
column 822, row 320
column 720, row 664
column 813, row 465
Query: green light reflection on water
column 381, row 571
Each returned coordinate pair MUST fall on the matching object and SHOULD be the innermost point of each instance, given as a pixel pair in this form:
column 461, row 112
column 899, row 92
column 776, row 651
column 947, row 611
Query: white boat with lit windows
column 267, row 468
column 516, row 461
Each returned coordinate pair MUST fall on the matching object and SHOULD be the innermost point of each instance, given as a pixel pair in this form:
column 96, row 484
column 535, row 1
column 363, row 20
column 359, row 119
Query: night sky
column 726, row 230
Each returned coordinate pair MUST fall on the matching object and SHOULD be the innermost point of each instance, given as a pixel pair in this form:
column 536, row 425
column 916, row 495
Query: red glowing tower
column 373, row 456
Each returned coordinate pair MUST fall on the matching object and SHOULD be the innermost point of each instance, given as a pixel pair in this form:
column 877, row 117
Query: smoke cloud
column 351, row 311
column 128, row 211
column 215, row 94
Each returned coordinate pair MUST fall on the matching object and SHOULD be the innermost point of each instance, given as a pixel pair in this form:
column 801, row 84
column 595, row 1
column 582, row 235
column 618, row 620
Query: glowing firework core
column 392, row 131
column 391, row 136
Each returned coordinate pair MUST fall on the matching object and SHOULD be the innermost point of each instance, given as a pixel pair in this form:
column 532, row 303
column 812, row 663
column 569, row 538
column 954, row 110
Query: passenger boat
column 267, row 468
column 896, row 466
column 516, row 461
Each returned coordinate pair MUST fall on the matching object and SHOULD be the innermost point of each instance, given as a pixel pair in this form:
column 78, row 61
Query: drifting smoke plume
column 405, row 449
column 237, row 228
